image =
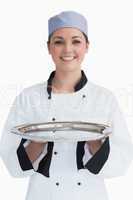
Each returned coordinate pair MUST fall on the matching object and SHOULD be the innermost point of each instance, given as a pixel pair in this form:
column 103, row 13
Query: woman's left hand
column 94, row 146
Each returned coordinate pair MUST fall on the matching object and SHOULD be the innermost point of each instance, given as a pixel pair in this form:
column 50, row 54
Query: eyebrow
column 60, row 37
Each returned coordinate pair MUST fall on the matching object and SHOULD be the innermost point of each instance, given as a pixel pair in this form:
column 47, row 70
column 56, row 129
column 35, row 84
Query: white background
column 24, row 61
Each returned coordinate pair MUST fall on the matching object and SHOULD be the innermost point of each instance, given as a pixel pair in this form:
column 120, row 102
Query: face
column 68, row 47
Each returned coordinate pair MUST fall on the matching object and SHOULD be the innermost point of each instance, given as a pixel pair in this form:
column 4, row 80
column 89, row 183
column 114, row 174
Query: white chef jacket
column 67, row 170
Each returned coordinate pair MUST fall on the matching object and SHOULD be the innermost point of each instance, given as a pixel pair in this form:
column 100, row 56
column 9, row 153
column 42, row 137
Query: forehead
column 67, row 33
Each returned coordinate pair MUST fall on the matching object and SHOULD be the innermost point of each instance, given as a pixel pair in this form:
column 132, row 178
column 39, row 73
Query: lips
column 67, row 58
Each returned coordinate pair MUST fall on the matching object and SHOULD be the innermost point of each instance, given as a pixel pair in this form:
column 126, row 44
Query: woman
column 67, row 170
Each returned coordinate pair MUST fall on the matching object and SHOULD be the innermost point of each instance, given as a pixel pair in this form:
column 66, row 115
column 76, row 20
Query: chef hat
column 68, row 19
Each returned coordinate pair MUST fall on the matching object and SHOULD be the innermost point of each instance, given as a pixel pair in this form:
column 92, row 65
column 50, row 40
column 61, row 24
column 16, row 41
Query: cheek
column 82, row 49
column 55, row 53
column 81, row 52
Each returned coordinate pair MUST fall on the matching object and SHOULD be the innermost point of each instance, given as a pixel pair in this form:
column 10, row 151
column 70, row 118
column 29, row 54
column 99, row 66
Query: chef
column 67, row 170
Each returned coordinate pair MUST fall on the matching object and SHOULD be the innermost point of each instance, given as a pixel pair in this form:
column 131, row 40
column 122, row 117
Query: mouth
column 67, row 58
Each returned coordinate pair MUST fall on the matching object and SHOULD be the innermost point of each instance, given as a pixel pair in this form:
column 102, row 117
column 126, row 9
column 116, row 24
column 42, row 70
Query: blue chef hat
column 68, row 19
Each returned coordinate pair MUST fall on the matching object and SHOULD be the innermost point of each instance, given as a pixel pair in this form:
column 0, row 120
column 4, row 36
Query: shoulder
column 32, row 94
column 101, row 95
column 100, row 90
column 38, row 88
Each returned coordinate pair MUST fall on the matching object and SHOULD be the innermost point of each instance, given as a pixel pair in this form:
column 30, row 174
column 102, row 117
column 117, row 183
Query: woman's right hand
column 34, row 149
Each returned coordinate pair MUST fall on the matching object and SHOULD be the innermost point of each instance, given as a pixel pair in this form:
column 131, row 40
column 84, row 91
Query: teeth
column 67, row 58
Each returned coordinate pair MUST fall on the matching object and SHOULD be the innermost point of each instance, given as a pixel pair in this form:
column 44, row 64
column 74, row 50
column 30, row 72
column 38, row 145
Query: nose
column 68, row 48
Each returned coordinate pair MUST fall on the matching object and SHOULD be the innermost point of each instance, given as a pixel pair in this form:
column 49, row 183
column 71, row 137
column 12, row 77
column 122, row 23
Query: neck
column 65, row 81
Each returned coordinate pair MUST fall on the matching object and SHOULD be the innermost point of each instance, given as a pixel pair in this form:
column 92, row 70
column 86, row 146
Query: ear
column 48, row 46
column 87, row 46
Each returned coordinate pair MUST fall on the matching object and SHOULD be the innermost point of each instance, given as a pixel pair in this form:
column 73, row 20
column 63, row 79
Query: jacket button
column 84, row 96
column 53, row 119
column 55, row 152
column 57, row 184
column 79, row 183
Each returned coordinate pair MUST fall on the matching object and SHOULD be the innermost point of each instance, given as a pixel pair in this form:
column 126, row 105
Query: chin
column 67, row 68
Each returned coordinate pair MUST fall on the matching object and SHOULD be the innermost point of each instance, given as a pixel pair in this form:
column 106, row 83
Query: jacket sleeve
column 116, row 153
column 120, row 142
column 12, row 150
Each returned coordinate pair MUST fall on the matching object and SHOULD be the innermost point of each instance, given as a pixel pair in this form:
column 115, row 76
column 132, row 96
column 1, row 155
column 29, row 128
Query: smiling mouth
column 67, row 58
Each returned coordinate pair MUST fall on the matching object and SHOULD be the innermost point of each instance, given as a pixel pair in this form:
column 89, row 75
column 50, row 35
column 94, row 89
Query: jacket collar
column 78, row 86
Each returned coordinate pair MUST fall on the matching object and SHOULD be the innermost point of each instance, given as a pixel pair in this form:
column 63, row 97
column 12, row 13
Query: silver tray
column 62, row 131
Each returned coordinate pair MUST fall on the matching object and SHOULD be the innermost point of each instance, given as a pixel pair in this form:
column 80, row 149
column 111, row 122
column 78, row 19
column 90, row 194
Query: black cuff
column 23, row 158
column 96, row 163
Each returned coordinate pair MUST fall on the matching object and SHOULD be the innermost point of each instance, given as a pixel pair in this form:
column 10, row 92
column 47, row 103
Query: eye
column 76, row 42
column 58, row 42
